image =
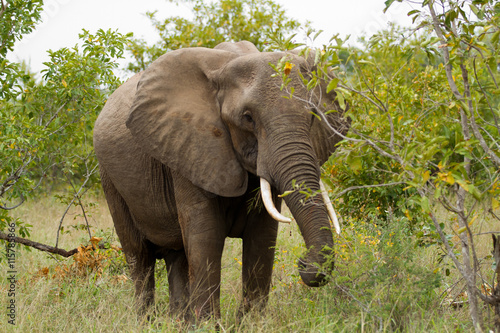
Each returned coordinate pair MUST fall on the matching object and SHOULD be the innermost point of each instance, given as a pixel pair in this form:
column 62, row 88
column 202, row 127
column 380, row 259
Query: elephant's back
column 133, row 173
column 110, row 123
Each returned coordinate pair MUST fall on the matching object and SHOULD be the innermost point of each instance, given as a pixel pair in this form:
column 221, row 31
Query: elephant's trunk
column 312, row 218
column 298, row 163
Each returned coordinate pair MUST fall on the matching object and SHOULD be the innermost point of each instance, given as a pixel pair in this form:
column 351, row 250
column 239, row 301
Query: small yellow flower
column 288, row 68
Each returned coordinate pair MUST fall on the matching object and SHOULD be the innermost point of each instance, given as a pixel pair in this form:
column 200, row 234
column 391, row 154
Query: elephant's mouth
column 311, row 275
column 265, row 190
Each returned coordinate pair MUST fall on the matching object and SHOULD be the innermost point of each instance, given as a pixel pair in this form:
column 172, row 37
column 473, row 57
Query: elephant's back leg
column 139, row 252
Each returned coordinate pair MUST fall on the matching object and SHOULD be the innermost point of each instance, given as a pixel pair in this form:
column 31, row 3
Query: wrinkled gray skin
column 181, row 148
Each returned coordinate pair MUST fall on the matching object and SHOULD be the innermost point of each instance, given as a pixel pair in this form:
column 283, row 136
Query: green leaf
column 492, row 63
column 495, row 37
column 332, row 85
column 475, row 192
column 340, row 99
column 424, row 203
column 388, row 3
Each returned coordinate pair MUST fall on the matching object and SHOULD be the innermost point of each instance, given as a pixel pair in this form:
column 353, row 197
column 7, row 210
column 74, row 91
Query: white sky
column 63, row 20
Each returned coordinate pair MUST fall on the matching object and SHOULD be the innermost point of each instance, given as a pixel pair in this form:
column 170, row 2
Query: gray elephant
column 183, row 147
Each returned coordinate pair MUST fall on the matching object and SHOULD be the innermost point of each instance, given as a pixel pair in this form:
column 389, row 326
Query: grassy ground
column 382, row 282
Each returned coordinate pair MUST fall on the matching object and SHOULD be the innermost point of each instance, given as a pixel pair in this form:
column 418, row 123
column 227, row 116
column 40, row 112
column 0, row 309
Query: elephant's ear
column 324, row 139
column 175, row 118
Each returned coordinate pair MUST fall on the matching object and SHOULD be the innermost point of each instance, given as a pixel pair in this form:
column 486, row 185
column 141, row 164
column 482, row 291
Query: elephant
column 183, row 148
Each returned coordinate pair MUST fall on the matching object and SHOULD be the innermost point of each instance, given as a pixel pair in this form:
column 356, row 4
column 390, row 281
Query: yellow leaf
column 463, row 184
column 461, row 230
column 288, row 68
column 472, row 220
column 426, row 175
column 64, row 83
column 446, row 177
column 494, row 203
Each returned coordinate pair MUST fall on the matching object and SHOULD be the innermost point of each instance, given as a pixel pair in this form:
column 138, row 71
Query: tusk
column 265, row 191
column 329, row 207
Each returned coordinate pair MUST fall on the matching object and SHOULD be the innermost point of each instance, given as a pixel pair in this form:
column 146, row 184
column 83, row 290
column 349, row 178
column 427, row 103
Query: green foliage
column 213, row 23
column 407, row 122
column 18, row 18
column 425, row 130
column 378, row 268
column 45, row 130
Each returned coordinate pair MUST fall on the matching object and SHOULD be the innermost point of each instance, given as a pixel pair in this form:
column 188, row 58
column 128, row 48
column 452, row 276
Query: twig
column 487, row 233
column 494, row 158
column 55, row 115
column 486, row 96
column 4, row 8
column 365, row 186
column 446, row 54
column 13, row 207
column 494, row 215
column 344, row 290
column 75, row 197
column 80, row 204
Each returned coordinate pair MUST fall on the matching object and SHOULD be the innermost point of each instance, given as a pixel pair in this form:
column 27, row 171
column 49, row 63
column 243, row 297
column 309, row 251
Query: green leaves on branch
column 407, row 116
column 213, row 23
column 46, row 126
column 18, row 18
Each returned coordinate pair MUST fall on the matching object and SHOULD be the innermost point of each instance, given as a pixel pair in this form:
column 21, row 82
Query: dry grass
column 104, row 302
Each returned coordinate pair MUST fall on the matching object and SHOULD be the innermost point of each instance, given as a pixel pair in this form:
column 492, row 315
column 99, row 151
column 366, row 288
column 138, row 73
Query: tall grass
column 382, row 282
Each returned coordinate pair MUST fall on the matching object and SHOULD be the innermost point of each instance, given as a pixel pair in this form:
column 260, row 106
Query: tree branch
column 13, row 207
column 365, row 186
column 42, row 247
column 3, row 8
column 38, row 246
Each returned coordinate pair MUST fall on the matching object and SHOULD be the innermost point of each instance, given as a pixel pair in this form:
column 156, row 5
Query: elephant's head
column 215, row 115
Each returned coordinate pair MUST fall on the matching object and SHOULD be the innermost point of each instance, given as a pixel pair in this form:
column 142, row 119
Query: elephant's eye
column 247, row 116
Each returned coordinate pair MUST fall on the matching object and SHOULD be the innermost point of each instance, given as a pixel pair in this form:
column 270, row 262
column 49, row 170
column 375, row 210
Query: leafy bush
column 377, row 268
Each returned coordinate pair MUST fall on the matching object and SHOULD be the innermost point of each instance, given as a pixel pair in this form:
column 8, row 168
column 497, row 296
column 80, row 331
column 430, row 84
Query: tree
column 18, row 18
column 45, row 127
column 425, row 107
column 212, row 24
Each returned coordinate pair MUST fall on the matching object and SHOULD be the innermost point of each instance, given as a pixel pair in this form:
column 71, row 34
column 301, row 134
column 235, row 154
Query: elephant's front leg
column 204, row 257
column 259, row 241
column 203, row 232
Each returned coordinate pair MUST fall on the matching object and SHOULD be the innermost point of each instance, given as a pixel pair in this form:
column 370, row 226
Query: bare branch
column 366, row 186
column 76, row 196
column 381, row 108
column 445, row 52
column 40, row 246
column 3, row 8
column 449, row 249
column 482, row 56
column 54, row 116
column 13, row 207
